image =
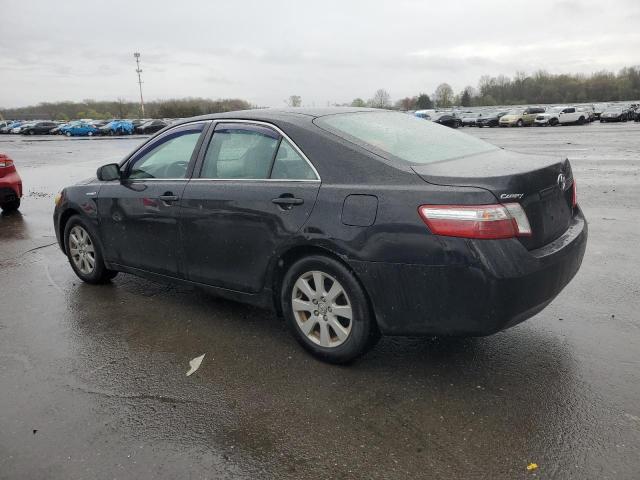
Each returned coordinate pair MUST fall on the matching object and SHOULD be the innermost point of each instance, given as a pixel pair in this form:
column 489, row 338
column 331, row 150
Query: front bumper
column 502, row 285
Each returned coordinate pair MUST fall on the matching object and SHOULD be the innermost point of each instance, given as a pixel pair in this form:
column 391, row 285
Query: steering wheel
column 175, row 170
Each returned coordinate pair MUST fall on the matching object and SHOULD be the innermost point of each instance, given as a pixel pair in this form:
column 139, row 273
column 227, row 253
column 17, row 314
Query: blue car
column 79, row 129
column 11, row 126
column 117, row 127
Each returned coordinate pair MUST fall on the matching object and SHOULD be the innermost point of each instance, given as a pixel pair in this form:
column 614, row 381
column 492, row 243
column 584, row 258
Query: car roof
column 296, row 115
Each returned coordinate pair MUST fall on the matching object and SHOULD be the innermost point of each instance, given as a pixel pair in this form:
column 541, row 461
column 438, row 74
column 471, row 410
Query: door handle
column 287, row 202
column 167, row 197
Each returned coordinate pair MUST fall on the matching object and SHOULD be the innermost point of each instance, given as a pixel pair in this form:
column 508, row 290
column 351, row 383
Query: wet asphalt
column 93, row 384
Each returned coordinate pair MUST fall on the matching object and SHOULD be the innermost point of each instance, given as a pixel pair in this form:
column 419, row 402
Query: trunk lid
column 541, row 185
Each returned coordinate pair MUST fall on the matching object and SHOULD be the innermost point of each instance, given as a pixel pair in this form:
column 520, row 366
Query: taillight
column 574, row 194
column 477, row 221
column 6, row 163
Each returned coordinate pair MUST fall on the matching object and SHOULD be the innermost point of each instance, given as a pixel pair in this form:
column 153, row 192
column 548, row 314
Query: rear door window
column 240, row 151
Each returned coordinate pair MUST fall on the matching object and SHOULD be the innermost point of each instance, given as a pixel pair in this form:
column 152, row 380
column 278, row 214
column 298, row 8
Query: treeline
column 120, row 108
column 522, row 89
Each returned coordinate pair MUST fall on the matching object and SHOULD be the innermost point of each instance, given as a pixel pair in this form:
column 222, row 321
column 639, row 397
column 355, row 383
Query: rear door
column 255, row 189
column 138, row 215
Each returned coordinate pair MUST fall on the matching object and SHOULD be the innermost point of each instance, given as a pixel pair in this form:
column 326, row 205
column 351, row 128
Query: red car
column 10, row 185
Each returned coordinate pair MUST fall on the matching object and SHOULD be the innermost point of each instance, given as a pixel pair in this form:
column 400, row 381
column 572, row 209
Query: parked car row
column 534, row 116
column 85, row 127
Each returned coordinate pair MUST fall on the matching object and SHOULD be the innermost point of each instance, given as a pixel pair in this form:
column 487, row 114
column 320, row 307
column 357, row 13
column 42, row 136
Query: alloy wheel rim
column 322, row 309
column 81, row 250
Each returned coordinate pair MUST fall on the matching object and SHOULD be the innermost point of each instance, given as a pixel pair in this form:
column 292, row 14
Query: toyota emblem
column 562, row 182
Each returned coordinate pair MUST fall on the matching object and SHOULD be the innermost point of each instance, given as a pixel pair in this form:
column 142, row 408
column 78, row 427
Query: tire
column 315, row 323
column 68, row 134
column 76, row 241
column 581, row 121
column 553, row 122
column 519, row 123
column 11, row 206
column 31, row 132
column 90, row 134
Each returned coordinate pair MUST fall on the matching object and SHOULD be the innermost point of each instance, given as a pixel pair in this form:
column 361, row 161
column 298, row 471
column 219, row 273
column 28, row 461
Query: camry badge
column 507, row 196
column 562, row 182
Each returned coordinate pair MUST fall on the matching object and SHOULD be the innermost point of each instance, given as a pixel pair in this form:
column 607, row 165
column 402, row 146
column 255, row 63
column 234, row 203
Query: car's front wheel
column 520, row 123
column 85, row 253
column 327, row 309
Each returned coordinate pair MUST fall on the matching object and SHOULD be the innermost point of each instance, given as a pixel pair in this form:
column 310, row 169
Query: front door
column 255, row 190
column 138, row 215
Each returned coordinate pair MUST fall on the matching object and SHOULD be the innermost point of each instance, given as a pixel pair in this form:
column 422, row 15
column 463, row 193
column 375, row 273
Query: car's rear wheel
column 11, row 206
column 85, row 253
column 327, row 309
column 90, row 134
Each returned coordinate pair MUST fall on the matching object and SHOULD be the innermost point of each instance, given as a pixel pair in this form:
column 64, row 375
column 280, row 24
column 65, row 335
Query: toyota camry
column 349, row 223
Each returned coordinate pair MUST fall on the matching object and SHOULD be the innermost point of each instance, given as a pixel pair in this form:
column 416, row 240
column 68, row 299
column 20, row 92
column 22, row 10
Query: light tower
column 139, row 71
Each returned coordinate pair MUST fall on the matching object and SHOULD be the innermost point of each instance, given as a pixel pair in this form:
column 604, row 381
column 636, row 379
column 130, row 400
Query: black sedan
column 38, row 128
column 491, row 119
column 447, row 119
column 350, row 223
column 151, row 126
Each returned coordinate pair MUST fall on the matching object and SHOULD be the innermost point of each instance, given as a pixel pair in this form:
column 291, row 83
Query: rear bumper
column 502, row 285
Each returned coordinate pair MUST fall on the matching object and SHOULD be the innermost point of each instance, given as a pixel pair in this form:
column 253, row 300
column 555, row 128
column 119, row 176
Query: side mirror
column 108, row 173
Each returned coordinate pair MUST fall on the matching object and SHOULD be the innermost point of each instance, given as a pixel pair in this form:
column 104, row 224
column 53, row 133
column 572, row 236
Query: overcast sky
column 323, row 50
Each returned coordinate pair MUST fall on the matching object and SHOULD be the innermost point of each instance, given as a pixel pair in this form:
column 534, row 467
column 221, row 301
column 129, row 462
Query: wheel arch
column 64, row 218
column 295, row 253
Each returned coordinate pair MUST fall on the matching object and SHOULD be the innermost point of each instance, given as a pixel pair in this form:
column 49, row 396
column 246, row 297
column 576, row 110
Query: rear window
column 403, row 136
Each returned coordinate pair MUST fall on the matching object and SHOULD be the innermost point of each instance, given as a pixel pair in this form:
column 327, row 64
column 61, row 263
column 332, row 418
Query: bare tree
column 444, row 95
column 381, row 99
column 294, row 101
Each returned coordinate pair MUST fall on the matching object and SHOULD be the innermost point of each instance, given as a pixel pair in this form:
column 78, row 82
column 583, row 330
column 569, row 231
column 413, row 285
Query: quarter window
column 170, row 157
column 290, row 165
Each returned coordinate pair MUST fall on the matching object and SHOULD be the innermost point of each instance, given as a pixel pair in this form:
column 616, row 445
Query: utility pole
column 138, row 71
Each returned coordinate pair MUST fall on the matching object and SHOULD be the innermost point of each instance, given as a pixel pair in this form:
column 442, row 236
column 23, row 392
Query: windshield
column 515, row 112
column 402, row 136
column 554, row 110
column 613, row 110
